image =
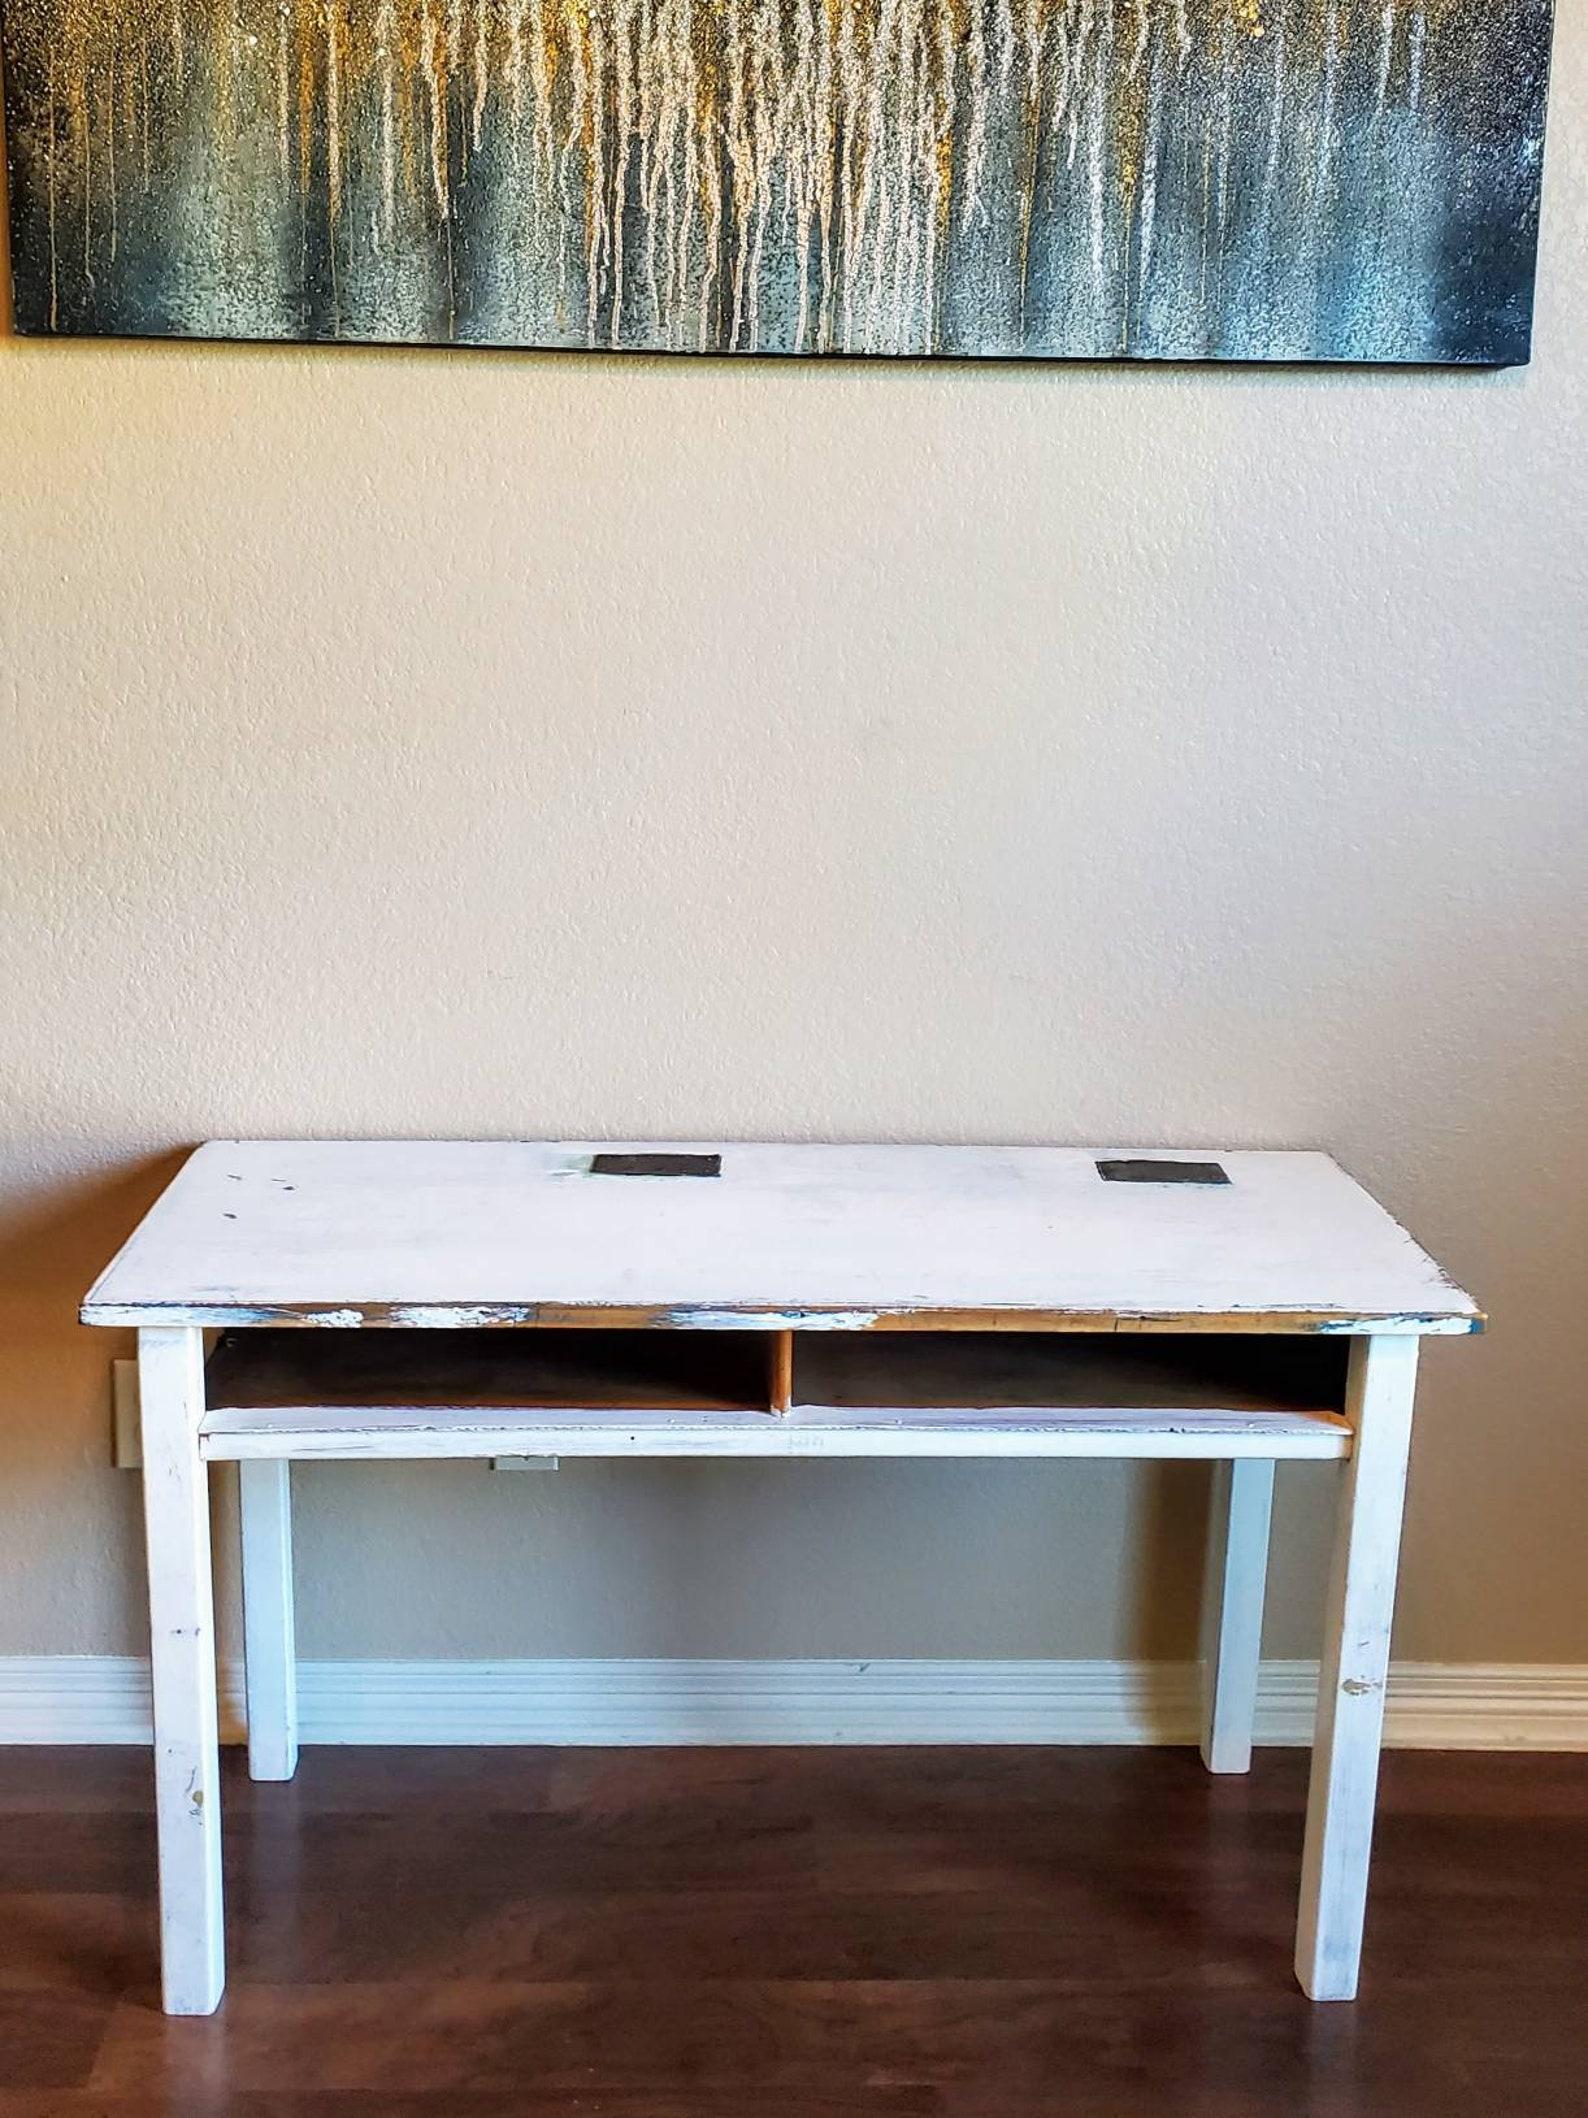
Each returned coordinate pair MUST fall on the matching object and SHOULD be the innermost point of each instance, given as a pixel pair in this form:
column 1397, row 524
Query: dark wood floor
column 796, row 1934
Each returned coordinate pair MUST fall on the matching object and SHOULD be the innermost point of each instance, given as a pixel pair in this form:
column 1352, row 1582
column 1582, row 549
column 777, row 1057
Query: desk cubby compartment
column 340, row 1393
column 1180, row 1393
column 406, row 1392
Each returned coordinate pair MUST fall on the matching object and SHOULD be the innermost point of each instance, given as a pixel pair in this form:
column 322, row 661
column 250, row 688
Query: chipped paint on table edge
column 433, row 1316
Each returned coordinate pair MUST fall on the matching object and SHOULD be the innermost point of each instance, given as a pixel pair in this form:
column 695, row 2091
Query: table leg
column 1356, row 1644
column 271, row 1675
column 182, row 1653
column 1232, row 1610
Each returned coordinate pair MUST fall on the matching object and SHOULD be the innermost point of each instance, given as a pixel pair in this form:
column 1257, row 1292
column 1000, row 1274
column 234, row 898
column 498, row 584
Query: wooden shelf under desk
column 482, row 1393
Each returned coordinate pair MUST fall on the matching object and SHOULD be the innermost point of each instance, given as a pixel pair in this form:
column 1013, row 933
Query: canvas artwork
column 1161, row 179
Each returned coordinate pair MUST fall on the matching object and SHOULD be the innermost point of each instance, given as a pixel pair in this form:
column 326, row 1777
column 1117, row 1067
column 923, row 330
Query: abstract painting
column 1281, row 180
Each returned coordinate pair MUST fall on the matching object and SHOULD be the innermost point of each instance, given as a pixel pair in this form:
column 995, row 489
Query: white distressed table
column 479, row 1299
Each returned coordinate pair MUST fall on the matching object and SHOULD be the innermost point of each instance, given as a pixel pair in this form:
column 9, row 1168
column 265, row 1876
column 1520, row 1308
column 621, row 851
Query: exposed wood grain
column 782, row 1366
column 484, row 1393
column 628, row 1371
column 439, row 1234
column 1181, row 1372
column 720, row 1371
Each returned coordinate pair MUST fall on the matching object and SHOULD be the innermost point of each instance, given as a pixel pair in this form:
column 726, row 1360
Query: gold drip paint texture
column 1171, row 179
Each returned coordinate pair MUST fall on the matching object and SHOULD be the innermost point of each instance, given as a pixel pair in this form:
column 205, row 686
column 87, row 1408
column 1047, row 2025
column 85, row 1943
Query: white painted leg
column 1232, row 1610
column 182, row 1650
column 265, row 1508
column 1356, row 1645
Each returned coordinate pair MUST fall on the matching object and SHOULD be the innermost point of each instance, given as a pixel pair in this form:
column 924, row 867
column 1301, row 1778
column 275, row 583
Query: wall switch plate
column 126, row 1449
column 524, row 1463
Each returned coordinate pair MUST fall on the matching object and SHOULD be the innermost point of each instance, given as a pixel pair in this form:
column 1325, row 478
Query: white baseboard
column 1431, row 1705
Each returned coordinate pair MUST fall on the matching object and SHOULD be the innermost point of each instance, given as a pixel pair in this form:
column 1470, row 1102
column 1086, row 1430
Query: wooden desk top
column 457, row 1233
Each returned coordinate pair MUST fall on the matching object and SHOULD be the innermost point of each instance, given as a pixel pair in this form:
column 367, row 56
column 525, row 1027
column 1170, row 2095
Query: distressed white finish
column 1355, row 1666
column 1242, row 1501
column 431, row 1232
column 182, row 1656
column 959, row 1249
column 807, row 1431
column 264, row 1495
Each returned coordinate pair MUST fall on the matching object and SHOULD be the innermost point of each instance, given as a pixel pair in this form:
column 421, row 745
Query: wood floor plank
column 49, row 2040
column 912, row 1933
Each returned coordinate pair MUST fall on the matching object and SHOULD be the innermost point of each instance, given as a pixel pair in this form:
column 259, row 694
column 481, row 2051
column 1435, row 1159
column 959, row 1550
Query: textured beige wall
column 477, row 745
